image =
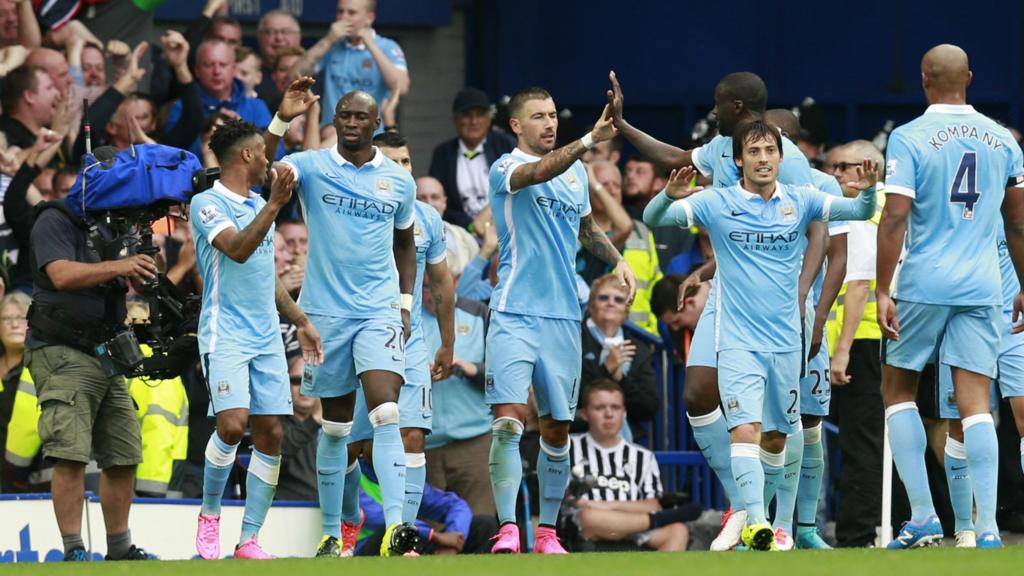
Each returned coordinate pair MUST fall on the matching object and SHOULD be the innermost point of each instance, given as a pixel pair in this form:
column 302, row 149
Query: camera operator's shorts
column 702, row 345
column 415, row 406
column 353, row 346
column 256, row 382
column 545, row 352
column 84, row 411
column 969, row 337
column 816, row 386
column 761, row 387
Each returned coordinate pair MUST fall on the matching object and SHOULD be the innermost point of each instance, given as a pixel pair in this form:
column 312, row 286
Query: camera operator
column 79, row 303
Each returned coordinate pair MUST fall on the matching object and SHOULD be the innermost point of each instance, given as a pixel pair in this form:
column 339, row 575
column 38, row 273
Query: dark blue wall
column 860, row 60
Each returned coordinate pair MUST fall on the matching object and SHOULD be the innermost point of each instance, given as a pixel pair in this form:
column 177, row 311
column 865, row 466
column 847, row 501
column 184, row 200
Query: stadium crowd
column 179, row 88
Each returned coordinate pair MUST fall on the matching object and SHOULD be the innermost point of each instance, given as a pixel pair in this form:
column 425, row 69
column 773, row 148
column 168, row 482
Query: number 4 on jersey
column 964, row 187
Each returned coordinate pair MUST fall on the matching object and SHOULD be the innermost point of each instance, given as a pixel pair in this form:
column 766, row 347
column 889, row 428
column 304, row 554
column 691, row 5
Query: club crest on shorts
column 223, row 388
column 462, row 329
column 489, row 382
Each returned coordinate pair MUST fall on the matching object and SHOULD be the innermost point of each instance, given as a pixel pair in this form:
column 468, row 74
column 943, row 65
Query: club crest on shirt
column 417, row 230
column 367, row 64
column 504, row 164
column 462, row 329
column 732, row 405
column 383, row 186
column 207, row 214
column 574, row 182
column 890, row 168
column 787, row 213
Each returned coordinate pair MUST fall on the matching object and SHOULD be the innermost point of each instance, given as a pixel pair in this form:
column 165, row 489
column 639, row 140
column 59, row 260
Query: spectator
column 63, row 180
column 459, row 532
column 288, row 265
column 248, row 69
column 623, row 506
column 226, row 29
column 608, row 151
column 480, row 275
column 18, row 24
column 131, row 123
column 638, row 185
column 353, row 57
column 856, row 376
column 30, row 101
column 278, row 32
column 94, row 67
column 459, row 445
column 13, row 325
column 278, row 75
column 608, row 354
column 296, row 236
column 219, row 90
column 458, row 239
column 463, row 164
column 298, row 447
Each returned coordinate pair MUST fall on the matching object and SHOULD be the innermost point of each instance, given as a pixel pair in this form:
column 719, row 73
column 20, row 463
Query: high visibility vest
column 868, row 328
column 23, row 443
column 642, row 256
column 163, row 419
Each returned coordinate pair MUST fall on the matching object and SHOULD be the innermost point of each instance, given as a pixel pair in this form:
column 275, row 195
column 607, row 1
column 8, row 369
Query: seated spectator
column 459, row 445
column 219, row 90
column 457, row 238
column 608, row 354
column 459, row 531
column 622, row 506
column 463, row 164
column 13, row 326
column 278, row 31
column 248, row 69
column 352, row 56
column 297, row 480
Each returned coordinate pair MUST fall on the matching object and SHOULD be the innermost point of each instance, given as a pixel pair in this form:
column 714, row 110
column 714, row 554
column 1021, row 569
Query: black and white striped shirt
column 626, row 472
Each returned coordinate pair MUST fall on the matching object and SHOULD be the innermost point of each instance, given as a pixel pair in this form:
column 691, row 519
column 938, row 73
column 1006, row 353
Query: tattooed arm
column 594, row 240
column 560, row 160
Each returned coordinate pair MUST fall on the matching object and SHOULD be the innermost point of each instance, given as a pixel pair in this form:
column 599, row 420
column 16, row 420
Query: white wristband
column 407, row 302
column 588, row 140
column 277, row 126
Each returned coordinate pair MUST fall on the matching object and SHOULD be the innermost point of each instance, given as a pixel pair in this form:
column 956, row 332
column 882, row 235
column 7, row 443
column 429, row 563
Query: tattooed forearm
column 594, row 240
column 285, row 305
column 547, row 167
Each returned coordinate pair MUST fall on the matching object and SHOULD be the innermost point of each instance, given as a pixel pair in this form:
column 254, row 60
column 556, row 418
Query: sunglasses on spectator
column 844, row 166
column 614, row 298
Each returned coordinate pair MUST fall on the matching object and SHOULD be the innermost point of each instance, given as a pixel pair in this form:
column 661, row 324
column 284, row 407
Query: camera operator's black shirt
column 55, row 237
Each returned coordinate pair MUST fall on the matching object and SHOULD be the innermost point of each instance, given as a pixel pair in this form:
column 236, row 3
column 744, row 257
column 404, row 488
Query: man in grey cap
column 462, row 164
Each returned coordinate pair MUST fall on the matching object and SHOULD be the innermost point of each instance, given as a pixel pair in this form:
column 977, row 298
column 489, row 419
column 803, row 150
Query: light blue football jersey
column 1008, row 274
column 347, row 67
column 759, row 247
column 239, row 310
column 352, row 214
column 430, row 249
column 538, row 227
column 715, row 161
column 955, row 163
column 828, row 184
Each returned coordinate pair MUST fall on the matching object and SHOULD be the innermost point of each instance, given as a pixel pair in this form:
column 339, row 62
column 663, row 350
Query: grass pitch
column 926, row 562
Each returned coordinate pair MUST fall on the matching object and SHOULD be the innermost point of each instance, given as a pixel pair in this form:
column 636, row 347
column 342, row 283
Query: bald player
column 948, row 172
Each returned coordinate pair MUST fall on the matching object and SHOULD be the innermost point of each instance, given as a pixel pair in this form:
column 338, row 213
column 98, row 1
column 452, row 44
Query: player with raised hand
column 757, row 229
column 541, row 208
column 239, row 334
column 948, row 172
column 739, row 97
column 359, row 207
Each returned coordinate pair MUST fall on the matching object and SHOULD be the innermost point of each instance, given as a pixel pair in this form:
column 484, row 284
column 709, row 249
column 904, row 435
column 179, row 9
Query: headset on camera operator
column 79, row 286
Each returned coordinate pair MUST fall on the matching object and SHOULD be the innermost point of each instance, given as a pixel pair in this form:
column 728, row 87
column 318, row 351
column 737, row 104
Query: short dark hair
column 229, row 134
column 284, row 53
column 515, row 105
column 222, row 20
column 756, row 129
column 665, row 294
column 390, row 139
column 641, row 159
column 746, row 87
column 600, row 385
column 22, row 79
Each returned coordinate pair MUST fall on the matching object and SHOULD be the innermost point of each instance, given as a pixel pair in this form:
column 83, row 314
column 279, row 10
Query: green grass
column 930, row 562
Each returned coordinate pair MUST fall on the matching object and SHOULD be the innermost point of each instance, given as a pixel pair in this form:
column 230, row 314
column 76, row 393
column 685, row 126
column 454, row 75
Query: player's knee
column 413, row 439
column 745, row 434
column 384, row 414
column 505, row 426
column 700, row 395
column 809, row 421
column 812, row 435
column 268, row 435
column 774, row 442
column 231, row 430
column 336, row 429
